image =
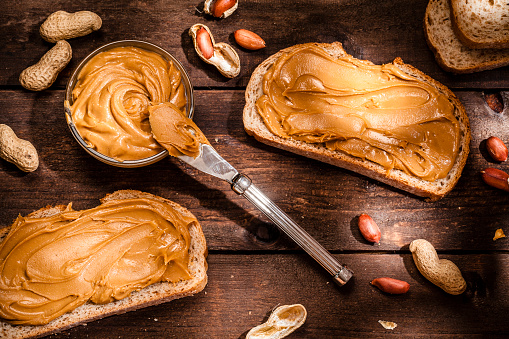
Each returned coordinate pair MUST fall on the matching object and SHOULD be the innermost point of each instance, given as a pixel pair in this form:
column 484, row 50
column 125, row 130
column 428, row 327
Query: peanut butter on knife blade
column 174, row 131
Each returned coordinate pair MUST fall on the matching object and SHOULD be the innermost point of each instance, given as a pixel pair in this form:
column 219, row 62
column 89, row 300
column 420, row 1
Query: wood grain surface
column 252, row 266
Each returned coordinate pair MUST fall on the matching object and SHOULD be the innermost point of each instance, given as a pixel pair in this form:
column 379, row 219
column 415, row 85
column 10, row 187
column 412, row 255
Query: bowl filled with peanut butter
column 108, row 97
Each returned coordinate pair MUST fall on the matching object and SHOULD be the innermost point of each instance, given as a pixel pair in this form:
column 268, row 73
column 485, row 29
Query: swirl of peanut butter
column 51, row 265
column 374, row 112
column 112, row 96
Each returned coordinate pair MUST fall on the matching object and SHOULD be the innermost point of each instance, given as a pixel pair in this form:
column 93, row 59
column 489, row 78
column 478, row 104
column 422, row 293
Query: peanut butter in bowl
column 109, row 95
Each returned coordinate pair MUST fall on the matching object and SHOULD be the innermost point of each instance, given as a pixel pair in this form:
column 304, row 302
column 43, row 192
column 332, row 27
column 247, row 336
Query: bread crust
column 254, row 126
column 151, row 295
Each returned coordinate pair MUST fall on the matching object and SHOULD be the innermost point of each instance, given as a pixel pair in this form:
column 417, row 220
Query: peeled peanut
column 248, row 40
column 204, row 43
column 41, row 75
column 369, row 229
column 497, row 149
column 220, row 8
column 17, row 151
column 441, row 272
column 62, row 25
column 496, row 178
column 223, row 57
column 390, row 285
column 283, row 321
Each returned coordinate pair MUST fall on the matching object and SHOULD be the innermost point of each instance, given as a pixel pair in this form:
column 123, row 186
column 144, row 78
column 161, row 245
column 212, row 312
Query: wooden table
column 252, row 267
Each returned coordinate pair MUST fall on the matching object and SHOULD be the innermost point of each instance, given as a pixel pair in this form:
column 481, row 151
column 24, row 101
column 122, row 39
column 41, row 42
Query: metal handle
column 242, row 185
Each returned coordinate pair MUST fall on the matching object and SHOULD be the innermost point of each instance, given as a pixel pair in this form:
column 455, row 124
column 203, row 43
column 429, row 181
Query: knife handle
column 242, row 185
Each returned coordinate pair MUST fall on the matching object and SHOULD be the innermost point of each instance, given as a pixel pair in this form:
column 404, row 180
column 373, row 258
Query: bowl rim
column 68, row 101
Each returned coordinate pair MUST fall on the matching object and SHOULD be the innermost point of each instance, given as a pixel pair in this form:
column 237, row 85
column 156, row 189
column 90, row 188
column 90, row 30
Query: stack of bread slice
column 468, row 36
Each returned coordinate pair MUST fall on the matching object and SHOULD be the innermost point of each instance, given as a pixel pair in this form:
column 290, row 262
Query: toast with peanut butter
column 389, row 122
column 134, row 250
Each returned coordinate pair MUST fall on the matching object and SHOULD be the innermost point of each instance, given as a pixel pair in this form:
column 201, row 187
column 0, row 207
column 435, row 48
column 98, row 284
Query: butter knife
column 210, row 162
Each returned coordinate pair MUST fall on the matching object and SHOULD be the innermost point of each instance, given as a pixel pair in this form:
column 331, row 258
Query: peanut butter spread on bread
column 112, row 96
column 373, row 112
column 174, row 131
column 53, row 264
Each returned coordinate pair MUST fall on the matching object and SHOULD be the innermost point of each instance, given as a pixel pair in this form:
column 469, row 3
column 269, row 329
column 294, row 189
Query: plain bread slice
column 450, row 53
column 481, row 23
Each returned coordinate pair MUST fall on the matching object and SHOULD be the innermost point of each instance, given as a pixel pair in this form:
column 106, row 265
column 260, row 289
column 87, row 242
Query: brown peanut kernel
column 496, row 178
column 494, row 101
column 369, row 229
column 497, row 149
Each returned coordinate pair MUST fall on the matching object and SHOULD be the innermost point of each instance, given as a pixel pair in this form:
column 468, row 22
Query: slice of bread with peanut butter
column 390, row 122
column 158, row 253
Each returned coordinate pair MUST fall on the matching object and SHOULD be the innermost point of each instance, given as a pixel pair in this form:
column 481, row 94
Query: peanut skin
column 441, row 272
column 17, row 151
column 62, row 25
column 44, row 73
column 390, row 285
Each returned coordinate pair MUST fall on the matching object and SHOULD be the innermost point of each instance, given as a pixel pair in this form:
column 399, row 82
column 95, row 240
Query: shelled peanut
column 42, row 75
column 56, row 28
column 62, row 25
column 441, row 272
column 17, row 151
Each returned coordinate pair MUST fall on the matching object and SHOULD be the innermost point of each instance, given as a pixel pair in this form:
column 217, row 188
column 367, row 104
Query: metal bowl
column 69, row 101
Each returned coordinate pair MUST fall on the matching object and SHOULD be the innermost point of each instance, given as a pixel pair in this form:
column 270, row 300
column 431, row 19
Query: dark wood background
column 252, row 267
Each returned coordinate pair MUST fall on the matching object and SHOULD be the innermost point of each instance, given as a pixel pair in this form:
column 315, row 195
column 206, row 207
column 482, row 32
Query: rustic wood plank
column 326, row 200
column 394, row 30
column 252, row 267
column 242, row 291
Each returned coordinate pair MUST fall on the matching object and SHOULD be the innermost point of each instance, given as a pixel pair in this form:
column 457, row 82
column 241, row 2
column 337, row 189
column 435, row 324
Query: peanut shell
column 441, row 272
column 283, row 321
column 17, row 151
column 42, row 75
column 225, row 59
column 209, row 6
